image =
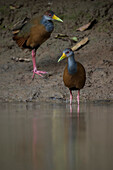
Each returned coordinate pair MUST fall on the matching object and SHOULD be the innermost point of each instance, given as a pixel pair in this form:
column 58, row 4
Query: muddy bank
column 16, row 82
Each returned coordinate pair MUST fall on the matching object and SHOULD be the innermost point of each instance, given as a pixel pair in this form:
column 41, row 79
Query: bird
column 74, row 76
column 33, row 33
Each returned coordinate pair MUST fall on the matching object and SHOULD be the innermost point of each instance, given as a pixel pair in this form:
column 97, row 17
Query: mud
column 16, row 82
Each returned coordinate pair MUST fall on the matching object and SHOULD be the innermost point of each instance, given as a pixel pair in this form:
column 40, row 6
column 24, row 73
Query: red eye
column 50, row 15
column 67, row 52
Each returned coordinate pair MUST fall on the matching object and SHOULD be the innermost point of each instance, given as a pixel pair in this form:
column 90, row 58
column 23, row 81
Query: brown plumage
column 75, row 81
column 74, row 75
column 35, row 32
column 32, row 35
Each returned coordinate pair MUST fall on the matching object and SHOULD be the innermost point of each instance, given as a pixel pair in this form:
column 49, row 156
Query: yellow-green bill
column 57, row 18
column 62, row 57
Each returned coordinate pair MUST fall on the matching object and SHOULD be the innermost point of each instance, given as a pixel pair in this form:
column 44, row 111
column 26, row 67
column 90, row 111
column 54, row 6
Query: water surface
column 48, row 137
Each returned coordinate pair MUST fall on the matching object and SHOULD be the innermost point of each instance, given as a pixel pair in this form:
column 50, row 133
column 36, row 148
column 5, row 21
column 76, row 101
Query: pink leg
column 78, row 110
column 78, row 96
column 35, row 71
column 71, row 97
column 70, row 110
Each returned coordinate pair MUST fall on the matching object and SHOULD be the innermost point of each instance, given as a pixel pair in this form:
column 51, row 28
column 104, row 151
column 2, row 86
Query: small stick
column 81, row 43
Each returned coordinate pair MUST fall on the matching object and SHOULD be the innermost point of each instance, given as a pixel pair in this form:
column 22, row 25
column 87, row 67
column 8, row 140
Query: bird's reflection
column 55, row 140
column 48, row 138
column 78, row 110
column 34, row 143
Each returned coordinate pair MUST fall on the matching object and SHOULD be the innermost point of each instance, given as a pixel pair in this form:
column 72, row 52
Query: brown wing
column 32, row 34
column 77, row 80
column 38, row 35
column 20, row 40
column 22, row 35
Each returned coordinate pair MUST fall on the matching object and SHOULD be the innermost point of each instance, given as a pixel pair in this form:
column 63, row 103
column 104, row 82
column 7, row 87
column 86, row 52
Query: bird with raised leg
column 74, row 75
column 35, row 32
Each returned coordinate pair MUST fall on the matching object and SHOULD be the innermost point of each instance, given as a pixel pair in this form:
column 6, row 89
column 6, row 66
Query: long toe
column 39, row 73
column 42, row 72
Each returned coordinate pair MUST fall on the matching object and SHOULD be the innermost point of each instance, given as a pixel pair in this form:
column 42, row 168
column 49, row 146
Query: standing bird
column 74, row 76
column 35, row 32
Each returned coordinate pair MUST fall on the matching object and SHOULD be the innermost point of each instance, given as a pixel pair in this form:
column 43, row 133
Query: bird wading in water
column 74, row 75
column 35, row 32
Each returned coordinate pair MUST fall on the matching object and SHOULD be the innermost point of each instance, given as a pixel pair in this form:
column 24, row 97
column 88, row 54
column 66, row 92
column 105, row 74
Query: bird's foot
column 38, row 72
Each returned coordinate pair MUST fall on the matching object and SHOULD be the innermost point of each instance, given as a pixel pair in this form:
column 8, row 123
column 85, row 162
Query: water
column 49, row 137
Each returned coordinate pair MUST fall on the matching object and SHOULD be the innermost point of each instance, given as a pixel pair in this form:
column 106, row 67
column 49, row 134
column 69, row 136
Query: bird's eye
column 49, row 15
column 67, row 52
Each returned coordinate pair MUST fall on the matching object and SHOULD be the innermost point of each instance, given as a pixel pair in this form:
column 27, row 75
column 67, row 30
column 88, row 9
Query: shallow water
column 49, row 137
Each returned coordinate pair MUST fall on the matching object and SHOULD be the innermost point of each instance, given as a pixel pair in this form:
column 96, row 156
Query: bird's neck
column 47, row 23
column 72, row 65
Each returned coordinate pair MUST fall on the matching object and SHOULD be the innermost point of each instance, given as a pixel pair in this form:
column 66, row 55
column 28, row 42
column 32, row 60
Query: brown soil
column 16, row 82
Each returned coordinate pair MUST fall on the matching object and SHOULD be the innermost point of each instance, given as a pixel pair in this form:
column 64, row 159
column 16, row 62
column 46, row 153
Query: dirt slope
column 16, row 82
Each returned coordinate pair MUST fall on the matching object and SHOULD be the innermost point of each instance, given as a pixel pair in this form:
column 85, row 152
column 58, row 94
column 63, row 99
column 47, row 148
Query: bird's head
column 66, row 53
column 50, row 15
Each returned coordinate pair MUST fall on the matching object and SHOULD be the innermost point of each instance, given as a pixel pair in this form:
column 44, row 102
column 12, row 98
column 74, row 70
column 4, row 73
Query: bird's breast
column 75, row 80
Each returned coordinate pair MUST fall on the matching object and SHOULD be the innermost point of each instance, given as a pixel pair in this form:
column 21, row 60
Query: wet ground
column 47, row 136
column 97, row 56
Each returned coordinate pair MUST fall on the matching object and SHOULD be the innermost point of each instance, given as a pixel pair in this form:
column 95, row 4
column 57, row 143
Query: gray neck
column 72, row 65
column 47, row 23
